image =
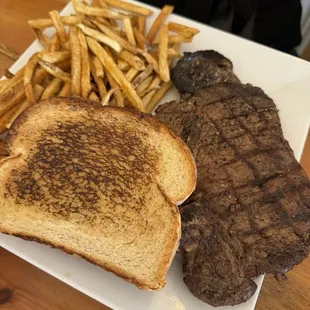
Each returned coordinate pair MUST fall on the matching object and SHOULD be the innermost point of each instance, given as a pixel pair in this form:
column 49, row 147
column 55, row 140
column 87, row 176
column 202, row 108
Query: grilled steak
column 250, row 213
column 201, row 69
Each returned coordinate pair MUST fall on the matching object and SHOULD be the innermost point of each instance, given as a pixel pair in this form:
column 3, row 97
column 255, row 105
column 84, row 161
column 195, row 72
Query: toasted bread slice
column 99, row 182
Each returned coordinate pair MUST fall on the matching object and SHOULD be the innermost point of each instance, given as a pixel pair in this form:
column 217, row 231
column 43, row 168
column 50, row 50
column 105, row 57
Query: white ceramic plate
column 284, row 78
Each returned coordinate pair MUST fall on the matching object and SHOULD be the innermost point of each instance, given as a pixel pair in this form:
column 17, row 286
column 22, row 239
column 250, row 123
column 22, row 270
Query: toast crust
column 60, row 208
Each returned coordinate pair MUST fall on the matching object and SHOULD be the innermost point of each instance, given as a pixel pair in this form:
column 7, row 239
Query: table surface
column 25, row 287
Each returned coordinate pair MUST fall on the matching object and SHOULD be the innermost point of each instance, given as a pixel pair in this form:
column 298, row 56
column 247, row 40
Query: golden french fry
column 99, row 36
column 75, row 62
column 158, row 96
column 150, row 59
column 147, row 91
column 5, row 119
column 41, row 38
column 10, row 85
column 38, row 90
column 141, row 24
column 15, row 97
column 114, row 36
column 133, row 60
column 105, row 101
column 116, row 73
column 85, row 68
column 119, row 98
column 103, row 21
column 3, row 84
column 164, row 71
column 65, row 90
column 55, row 71
column 129, row 31
column 98, row 66
column 165, row 12
column 172, row 53
column 141, row 40
column 142, row 76
column 54, row 44
column 123, row 65
column 93, row 97
column 60, row 28
column 94, row 11
column 29, row 70
column 99, row 81
column 131, row 74
column 185, row 38
column 55, row 56
column 144, row 85
column 48, row 22
column 155, row 83
column 129, row 7
column 178, row 28
column 52, row 89
column 8, row 52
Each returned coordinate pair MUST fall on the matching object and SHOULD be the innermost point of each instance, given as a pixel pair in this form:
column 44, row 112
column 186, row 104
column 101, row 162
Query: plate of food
column 187, row 208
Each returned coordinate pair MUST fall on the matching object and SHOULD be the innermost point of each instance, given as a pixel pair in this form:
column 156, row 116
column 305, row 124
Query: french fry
column 119, row 98
column 147, row 91
column 144, row 85
column 142, row 76
column 166, row 10
column 94, row 11
column 129, row 31
column 164, row 71
column 60, row 28
column 131, row 74
column 29, row 70
column 155, row 83
column 178, row 38
column 116, row 73
column 99, row 81
column 94, row 97
column 105, row 101
column 133, row 60
column 16, row 96
column 55, row 71
column 172, row 53
column 52, row 89
column 150, row 59
column 48, row 22
column 103, row 21
column 5, row 119
column 181, row 29
column 3, row 83
column 75, row 62
column 54, row 44
column 55, row 56
column 41, row 38
column 38, row 90
column 132, row 8
column 114, row 36
column 3, row 149
column 65, row 90
column 98, row 66
column 141, row 24
column 8, row 52
column 85, row 68
column 158, row 96
column 99, row 36
column 141, row 40
column 123, row 65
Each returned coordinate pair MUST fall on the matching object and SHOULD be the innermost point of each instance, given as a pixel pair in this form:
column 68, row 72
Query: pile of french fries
column 102, row 52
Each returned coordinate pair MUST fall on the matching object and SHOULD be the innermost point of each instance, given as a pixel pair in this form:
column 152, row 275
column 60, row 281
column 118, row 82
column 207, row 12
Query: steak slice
column 250, row 213
column 201, row 69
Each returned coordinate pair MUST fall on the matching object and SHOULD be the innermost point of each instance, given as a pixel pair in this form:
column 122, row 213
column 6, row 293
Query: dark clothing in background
column 275, row 23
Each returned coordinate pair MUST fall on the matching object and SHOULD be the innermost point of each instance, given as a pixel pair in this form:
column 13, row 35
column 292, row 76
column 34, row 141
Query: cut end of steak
column 250, row 213
column 201, row 69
